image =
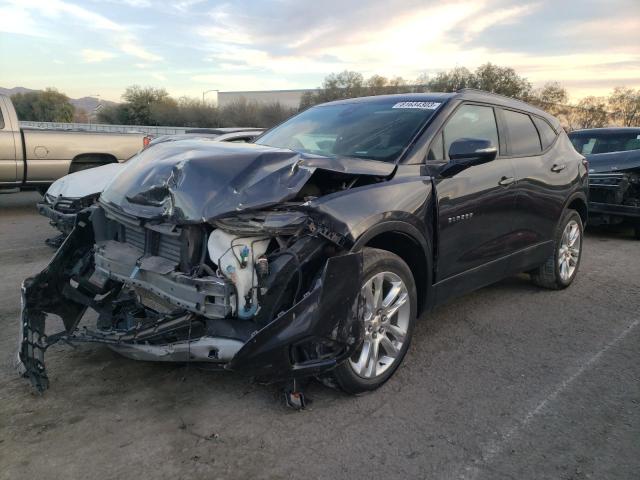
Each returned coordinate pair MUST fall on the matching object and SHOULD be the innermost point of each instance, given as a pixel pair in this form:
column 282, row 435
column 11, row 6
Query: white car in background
column 76, row 191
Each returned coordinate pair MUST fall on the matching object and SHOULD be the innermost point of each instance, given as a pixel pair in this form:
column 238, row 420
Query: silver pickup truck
column 34, row 158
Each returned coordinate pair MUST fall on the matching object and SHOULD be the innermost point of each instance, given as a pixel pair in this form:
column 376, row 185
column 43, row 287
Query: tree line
column 621, row 107
column 43, row 106
column 154, row 106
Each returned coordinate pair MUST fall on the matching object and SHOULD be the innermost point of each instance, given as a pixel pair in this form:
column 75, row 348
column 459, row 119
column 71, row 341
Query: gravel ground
column 510, row 382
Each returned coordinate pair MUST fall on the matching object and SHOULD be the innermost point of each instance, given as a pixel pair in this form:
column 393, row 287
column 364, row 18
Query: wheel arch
column 97, row 158
column 411, row 245
column 578, row 202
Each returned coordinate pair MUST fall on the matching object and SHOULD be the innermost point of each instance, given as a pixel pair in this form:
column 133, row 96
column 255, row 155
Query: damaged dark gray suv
column 311, row 252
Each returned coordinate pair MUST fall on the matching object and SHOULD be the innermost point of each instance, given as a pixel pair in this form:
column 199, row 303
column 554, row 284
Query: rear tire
column 390, row 312
column 561, row 268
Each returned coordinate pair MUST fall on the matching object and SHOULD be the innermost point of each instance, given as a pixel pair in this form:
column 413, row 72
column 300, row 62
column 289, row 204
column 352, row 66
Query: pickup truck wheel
column 561, row 268
column 390, row 307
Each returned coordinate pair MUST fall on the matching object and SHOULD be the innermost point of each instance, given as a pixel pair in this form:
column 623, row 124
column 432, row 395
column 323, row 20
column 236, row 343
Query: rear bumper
column 62, row 221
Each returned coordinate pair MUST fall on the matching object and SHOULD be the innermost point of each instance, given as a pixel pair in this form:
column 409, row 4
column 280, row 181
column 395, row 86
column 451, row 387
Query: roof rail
column 477, row 90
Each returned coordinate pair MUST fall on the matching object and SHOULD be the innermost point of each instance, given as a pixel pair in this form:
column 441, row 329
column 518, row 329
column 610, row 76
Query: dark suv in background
column 312, row 251
column 614, row 174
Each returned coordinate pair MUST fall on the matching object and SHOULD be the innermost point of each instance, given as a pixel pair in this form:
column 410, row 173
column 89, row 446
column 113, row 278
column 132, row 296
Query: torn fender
column 328, row 314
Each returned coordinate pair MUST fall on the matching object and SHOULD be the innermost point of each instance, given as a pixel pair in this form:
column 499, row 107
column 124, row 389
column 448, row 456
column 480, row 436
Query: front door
column 475, row 206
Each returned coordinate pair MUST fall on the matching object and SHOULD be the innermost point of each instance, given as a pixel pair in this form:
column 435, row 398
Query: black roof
column 399, row 97
column 469, row 94
column 611, row 130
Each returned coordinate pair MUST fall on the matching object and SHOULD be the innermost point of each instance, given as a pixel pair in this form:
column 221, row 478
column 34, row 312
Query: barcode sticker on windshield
column 420, row 105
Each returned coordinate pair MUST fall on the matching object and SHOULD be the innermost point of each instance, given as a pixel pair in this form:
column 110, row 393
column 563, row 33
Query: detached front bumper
column 316, row 334
column 62, row 221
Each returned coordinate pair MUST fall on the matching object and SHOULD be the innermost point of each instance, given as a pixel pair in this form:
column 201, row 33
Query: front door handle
column 558, row 168
column 504, row 181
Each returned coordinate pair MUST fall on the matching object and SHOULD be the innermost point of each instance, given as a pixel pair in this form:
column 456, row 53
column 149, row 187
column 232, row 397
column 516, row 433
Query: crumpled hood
column 85, row 182
column 614, row 161
column 195, row 181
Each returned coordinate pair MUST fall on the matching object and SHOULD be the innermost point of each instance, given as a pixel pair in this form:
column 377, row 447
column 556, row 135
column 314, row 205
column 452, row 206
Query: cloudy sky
column 187, row 46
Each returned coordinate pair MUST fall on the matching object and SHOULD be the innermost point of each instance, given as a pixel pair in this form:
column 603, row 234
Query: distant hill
column 85, row 103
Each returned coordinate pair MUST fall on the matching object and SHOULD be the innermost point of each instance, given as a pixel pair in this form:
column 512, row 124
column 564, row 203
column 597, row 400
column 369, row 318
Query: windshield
column 605, row 142
column 378, row 130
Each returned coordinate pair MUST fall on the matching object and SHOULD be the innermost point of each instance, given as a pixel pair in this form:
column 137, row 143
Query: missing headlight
column 263, row 223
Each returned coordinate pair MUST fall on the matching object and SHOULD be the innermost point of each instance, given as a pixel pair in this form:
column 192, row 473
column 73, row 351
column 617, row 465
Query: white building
column 286, row 98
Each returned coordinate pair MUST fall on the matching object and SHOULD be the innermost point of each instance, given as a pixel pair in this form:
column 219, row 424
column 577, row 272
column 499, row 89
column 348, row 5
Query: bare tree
column 502, row 80
column 624, row 104
column 591, row 112
column 451, row 81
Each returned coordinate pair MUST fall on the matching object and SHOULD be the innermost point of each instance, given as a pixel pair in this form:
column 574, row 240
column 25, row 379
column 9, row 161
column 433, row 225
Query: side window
column 523, row 136
column 1, row 119
column 436, row 150
column 471, row 121
column 547, row 134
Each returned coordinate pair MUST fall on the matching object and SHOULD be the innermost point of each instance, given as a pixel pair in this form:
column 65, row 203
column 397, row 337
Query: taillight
column 146, row 141
column 585, row 162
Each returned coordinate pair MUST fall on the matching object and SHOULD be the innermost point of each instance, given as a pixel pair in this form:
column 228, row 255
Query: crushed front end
column 214, row 255
column 62, row 211
column 259, row 293
column 614, row 198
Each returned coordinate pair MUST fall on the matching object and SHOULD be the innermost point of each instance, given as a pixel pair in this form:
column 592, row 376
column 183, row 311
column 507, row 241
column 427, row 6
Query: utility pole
column 96, row 109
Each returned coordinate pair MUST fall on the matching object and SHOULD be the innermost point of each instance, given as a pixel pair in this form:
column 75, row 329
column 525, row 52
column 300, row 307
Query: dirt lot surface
column 510, row 382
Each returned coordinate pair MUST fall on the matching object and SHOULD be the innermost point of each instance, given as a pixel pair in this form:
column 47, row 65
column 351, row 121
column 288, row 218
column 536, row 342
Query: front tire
column 561, row 268
column 390, row 309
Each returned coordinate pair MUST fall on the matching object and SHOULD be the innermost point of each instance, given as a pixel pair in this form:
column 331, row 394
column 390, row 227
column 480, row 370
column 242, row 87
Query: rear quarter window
column 547, row 134
column 523, row 138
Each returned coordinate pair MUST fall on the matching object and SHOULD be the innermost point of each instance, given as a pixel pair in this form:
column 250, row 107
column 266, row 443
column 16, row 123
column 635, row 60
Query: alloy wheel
column 569, row 251
column 386, row 320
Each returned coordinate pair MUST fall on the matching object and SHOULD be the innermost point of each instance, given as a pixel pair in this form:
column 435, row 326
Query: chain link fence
column 99, row 127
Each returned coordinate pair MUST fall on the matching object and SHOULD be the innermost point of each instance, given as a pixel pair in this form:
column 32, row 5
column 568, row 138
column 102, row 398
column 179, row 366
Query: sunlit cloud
column 159, row 76
column 588, row 46
column 95, row 56
column 17, row 20
column 36, row 17
column 241, row 82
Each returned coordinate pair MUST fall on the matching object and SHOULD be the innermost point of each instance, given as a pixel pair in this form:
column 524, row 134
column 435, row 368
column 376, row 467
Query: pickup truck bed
column 35, row 158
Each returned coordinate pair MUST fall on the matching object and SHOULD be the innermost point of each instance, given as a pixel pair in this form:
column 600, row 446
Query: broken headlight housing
column 264, row 222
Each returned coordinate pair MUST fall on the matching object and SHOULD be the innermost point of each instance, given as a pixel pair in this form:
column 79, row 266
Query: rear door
column 8, row 150
column 541, row 173
column 475, row 206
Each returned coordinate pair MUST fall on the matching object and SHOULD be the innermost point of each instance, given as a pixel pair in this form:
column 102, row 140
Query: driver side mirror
column 466, row 152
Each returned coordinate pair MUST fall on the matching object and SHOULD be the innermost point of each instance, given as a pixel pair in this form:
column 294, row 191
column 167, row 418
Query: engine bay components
column 235, row 258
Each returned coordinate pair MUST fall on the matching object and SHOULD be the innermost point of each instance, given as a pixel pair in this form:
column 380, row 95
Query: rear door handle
column 504, row 181
column 558, row 168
